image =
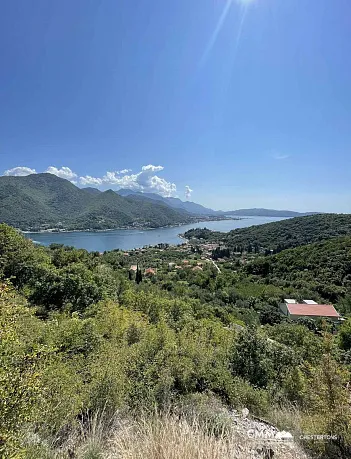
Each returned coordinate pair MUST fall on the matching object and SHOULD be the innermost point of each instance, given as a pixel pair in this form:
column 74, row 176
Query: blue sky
column 248, row 103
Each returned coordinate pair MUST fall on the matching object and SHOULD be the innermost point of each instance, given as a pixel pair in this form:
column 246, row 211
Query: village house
column 308, row 308
column 133, row 268
column 197, row 268
column 150, row 272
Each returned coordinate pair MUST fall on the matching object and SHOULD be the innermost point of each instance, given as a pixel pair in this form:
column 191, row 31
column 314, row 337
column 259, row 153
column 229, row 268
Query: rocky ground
column 261, row 440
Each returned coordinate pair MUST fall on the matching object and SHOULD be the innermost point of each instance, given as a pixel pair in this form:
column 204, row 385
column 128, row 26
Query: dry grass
column 169, row 437
column 163, row 436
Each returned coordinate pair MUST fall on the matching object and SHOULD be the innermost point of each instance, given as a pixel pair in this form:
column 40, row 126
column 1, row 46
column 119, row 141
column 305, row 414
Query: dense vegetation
column 80, row 336
column 321, row 269
column 42, row 201
column 280, row 235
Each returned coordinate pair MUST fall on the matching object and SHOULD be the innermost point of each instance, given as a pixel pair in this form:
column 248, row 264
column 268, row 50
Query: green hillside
column 43, row 200
column 84, row 343
column 322, row 269
column 280, row 235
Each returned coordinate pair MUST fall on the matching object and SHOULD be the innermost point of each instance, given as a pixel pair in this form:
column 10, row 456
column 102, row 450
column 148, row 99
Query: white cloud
column 280, row 156
column 145, row 181
column 64, row 172
column 188, row 192
column 20, row 171
column 88, row 180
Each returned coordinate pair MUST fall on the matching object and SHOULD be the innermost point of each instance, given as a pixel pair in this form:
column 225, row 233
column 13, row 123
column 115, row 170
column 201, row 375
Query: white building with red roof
column 308, row 308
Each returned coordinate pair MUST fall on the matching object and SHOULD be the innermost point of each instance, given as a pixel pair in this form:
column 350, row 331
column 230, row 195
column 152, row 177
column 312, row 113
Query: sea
column 128, row 239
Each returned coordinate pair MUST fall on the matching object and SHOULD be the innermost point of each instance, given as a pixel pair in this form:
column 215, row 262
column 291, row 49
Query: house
column 150, row 272
column 133, row 268
column 197, row 268
column 308, row 308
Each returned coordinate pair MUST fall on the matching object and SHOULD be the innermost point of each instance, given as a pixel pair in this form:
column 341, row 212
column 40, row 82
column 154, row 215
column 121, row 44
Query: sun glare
column 226, row 9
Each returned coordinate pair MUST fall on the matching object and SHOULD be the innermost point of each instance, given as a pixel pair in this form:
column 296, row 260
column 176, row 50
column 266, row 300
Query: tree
column 138, row 276
column 345, row 335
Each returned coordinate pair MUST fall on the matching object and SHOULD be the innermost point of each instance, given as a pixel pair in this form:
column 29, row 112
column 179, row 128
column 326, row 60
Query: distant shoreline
column 140, row 228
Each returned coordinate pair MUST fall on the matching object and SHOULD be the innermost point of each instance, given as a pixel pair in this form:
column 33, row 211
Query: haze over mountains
column 198, row 209
column 41, row 201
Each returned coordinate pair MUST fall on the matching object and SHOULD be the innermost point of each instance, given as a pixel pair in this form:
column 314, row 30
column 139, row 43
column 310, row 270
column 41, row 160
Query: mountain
column 42, row 201
column 175, row 203
column 268, row 213
column 91, row 190
column 198, row 209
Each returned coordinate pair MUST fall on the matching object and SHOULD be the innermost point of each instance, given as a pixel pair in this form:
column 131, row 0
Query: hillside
column 280, row 235
column 322, row 269
column 86, row 350
column 198, row 209
column 91, row 190
column 44, row 200
column 175, row 203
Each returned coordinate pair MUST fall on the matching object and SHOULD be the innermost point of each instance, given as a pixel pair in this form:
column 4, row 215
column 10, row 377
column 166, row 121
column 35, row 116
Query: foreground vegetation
column 80, row 337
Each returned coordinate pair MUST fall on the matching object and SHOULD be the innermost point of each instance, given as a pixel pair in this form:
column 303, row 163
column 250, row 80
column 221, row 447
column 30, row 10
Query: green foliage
column 77, row 338
column 281, row 235
column 320, row 269
column 306, row 344
column 260, row 361
column 345, row 335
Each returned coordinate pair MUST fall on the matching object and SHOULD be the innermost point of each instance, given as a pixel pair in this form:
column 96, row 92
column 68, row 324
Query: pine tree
column 138, row 276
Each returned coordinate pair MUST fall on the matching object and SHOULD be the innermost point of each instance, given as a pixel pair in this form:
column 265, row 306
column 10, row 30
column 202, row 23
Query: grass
column 162, row 436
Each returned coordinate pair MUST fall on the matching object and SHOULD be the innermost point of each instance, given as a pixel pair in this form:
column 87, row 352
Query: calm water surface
column 130, row 239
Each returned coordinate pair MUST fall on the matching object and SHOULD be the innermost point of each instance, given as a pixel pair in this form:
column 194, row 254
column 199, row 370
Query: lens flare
column 244, row 6
column 215, row 34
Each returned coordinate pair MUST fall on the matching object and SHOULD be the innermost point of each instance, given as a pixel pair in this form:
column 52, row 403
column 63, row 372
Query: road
column 215, row 264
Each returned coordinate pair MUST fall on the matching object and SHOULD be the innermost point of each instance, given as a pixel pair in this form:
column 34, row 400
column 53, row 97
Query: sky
column 229, row 103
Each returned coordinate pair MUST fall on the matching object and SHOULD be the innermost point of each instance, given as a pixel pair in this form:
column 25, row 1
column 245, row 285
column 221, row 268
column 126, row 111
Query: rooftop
column 317, row 310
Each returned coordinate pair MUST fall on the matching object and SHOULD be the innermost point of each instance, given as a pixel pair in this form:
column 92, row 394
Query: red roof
column 322, row 310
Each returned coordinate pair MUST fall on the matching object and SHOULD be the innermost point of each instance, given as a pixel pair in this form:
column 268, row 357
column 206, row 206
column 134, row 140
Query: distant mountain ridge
column 198, row 209
column 257, row 212
column 175, row 203
column 41, row 201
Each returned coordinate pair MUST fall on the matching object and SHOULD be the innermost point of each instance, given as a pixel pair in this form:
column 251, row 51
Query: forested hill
column 318, row 270
column 40, row 201
column 280, row 235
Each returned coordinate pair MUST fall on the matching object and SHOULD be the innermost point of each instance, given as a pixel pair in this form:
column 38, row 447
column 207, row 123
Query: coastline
column 139, row 228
